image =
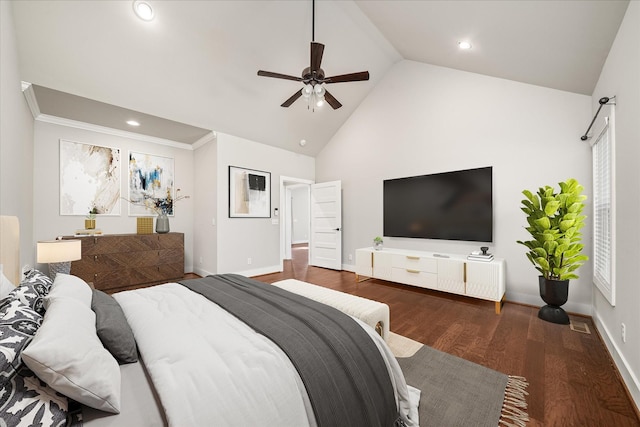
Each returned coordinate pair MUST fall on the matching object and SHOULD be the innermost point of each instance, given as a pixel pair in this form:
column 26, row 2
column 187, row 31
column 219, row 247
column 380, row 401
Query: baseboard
column 259, row 271
column 536, row 301
column 628, row 377
column 349, row 267
column 202, row 272
column 246, row 273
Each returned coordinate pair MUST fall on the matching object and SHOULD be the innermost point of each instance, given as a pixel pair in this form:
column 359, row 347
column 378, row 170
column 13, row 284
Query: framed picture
column 151, row 184
column 249, row 193
column 89, row 178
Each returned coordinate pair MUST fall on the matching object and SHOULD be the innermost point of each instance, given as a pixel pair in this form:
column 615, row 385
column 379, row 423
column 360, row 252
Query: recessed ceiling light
column 133, row 123
column 464, row 45
column 303, row 142
column 143, row 10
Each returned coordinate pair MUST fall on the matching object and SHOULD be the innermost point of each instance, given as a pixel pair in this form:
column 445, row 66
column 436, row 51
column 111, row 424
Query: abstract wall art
column 151, row 184
column 89, row 178
column 249, row 193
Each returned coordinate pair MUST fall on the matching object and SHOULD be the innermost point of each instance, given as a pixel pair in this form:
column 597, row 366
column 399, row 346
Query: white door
column 325, row 246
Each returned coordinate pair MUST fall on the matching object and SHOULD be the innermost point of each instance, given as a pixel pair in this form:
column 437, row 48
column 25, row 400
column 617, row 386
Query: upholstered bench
column 373, row 313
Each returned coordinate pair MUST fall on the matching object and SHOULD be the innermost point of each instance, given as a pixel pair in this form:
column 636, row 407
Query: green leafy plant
column 377, row 239
column 92, row 213
column 555, row 220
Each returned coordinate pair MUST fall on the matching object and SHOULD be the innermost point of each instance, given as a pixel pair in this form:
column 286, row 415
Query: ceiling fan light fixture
column 307, row 90
column 143, row 10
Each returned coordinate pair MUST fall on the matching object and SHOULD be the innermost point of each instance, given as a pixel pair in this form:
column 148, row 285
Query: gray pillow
column 113, row 329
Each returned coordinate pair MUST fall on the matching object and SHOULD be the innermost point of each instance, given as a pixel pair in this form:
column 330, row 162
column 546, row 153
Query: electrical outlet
column 623, row 330
column 350, row 257
column 201, row 260
column 249, row 261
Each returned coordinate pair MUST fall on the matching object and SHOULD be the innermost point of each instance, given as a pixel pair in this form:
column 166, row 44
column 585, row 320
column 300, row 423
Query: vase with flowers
column 162, row 206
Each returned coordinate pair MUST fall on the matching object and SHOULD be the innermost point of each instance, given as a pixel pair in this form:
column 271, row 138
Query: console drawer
column 414, row 277
column 413, row 262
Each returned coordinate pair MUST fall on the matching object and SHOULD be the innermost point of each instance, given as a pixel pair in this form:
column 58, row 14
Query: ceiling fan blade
column 352, row 77
column 331, row 100
column 316, row 55
column 278, row 76
column 291, row 100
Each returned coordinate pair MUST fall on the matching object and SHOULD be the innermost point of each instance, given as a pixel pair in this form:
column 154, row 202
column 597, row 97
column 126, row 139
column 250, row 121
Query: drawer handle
column 413, row 257
column 95, row 257
column 413, row 271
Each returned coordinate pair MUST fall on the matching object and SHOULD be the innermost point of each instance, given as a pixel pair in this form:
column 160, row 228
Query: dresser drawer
column 109, row 280
column 411, row 262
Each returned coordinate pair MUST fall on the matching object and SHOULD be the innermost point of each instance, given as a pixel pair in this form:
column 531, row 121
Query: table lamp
column 59, row 254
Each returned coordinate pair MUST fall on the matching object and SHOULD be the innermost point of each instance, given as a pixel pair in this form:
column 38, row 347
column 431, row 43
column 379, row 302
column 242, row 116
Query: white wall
column 16, row 139
column 423, row 119
column 257, row 238
column 300, row 214
column 621, row 77
column 48, row 223
column 205, row 239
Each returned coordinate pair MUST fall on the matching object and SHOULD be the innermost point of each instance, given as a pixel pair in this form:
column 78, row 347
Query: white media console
column 442, row 272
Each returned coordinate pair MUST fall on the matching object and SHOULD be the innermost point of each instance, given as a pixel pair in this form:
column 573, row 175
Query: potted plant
column 90, row 221
column 555, row 220
column 377, row 243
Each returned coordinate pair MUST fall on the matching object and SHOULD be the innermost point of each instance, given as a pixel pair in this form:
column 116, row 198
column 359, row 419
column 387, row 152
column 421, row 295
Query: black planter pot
column 554, row 293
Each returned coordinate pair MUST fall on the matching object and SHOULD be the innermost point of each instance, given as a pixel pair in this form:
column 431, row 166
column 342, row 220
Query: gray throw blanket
column 344, row 374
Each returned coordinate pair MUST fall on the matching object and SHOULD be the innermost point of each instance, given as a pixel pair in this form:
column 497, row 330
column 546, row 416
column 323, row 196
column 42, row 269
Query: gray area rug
column 456, row 392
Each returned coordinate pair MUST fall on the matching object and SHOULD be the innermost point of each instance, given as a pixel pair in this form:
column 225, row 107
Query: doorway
column 319, row 219
column 294, row 221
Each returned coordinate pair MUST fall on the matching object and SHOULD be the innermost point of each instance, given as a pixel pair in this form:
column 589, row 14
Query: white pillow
column 5, row 285
column 68, row 286
column 67, row 355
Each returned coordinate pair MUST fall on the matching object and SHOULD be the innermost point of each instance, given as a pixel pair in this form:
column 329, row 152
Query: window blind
column 603, row 214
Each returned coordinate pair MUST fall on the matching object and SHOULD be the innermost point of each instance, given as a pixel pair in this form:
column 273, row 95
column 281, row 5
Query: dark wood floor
column 572, row 381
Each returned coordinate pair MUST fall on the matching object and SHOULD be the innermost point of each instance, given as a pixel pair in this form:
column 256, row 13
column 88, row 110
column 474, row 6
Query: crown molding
column 29, row 94
column 114, row 132
column 211, row 136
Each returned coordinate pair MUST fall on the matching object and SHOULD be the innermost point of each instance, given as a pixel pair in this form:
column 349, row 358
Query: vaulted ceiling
column 195, row 63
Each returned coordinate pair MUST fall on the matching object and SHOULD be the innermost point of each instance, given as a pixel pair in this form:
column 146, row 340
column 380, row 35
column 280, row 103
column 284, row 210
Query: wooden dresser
column 117, row 262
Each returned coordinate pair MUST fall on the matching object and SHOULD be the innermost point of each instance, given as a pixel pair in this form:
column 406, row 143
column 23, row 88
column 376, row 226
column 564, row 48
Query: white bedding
column 207, row 365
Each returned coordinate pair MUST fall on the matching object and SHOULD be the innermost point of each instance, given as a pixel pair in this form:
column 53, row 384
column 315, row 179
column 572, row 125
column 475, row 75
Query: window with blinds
column 603, row 260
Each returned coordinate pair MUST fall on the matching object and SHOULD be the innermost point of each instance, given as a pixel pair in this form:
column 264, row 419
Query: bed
column 178, row 354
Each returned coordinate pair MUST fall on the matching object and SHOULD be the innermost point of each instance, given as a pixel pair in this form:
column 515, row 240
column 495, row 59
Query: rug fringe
column 514, row 408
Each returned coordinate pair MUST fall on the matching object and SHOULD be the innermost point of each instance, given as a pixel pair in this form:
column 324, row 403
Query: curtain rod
column 603, row 101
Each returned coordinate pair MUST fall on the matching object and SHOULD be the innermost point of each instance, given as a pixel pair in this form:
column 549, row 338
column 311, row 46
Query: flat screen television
column 451, row 206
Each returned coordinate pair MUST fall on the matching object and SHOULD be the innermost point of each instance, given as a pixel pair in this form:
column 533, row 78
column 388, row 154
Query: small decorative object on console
column 145, row 225
column 377, row 243
column 482, row 255
column 90, row 222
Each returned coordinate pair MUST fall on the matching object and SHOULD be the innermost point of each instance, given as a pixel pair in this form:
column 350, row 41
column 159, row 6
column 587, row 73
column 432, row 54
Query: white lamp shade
column 52, row 251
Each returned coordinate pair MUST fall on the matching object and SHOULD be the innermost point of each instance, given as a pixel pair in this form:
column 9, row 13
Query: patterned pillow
column 25, row 398
column 31, row 291
column 36, row 276
column 18, row 325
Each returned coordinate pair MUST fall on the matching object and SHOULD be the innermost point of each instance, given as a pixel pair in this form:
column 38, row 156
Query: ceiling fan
column 314, row 78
